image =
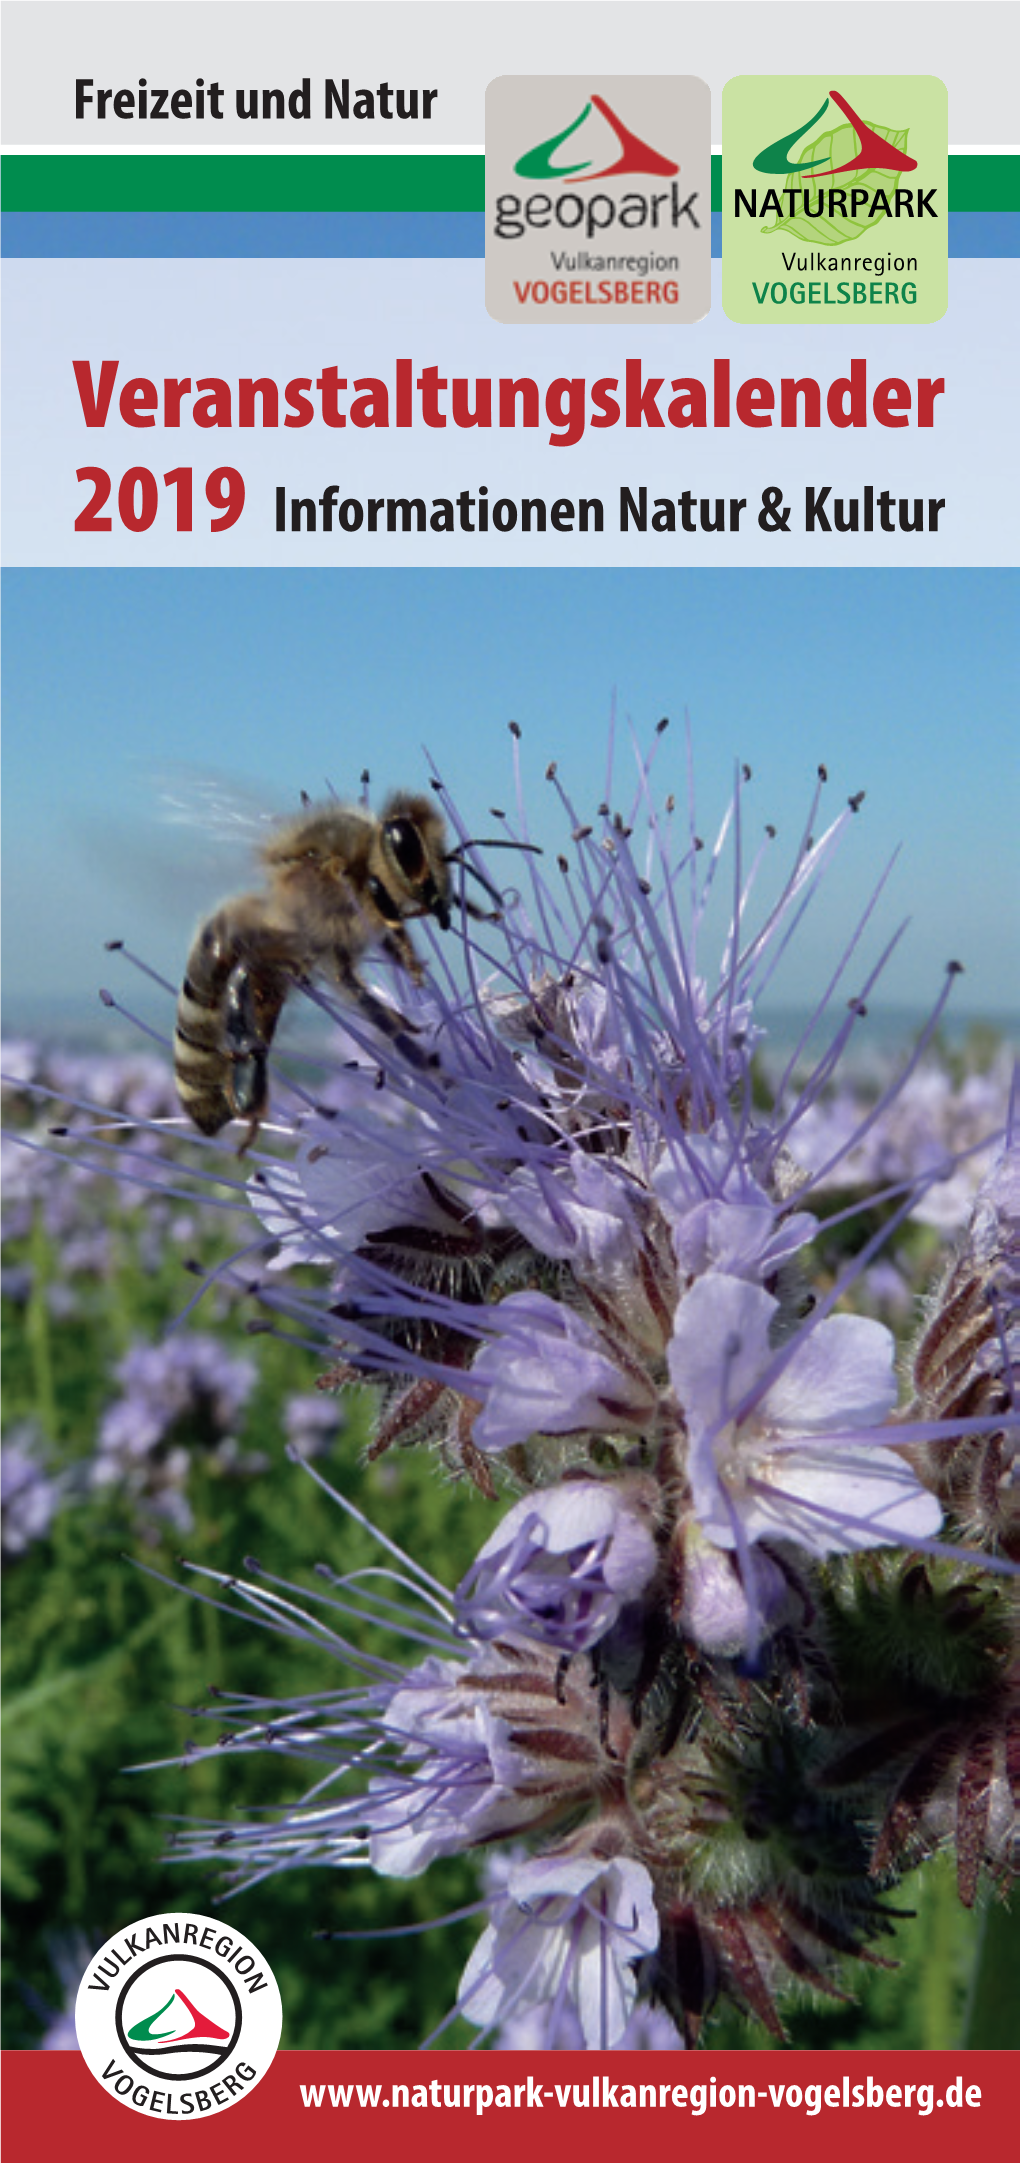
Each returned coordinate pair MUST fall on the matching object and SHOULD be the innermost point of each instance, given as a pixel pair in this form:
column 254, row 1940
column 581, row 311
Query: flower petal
column 549, row 1372
column 840, row 1496
column 720, row 1346
column 841, row 1374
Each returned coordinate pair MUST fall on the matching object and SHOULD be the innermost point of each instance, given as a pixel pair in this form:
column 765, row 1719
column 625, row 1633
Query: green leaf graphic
column 838, row 144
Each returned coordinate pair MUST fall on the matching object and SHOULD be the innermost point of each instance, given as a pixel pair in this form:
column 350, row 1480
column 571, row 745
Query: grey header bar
column 394, row 54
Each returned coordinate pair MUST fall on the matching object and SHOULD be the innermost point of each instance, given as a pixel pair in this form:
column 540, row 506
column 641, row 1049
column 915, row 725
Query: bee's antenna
column 490, row 841
column 475, row 874
column 456, row 856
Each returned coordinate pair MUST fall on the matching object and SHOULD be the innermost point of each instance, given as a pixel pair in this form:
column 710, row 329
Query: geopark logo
column 634, row 156
column 604, row 213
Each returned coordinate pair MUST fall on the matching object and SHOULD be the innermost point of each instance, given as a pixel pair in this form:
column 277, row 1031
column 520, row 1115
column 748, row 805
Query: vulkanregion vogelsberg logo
column 598, row 199
column 178, row 2017
column 835, row 199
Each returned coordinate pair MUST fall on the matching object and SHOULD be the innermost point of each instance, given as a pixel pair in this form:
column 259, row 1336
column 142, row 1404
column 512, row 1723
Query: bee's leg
column 396, row 943
column 357, row 991
column 247, row 1049
column 394, row 1026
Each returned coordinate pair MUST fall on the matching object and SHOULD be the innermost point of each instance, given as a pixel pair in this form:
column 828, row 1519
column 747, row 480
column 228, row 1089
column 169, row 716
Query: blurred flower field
column 124, row 1447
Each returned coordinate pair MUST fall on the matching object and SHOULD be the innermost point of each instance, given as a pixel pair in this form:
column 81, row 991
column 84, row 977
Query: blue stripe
column 984, row 232
column 971, row 232
column 242, row 232
column 341, row 232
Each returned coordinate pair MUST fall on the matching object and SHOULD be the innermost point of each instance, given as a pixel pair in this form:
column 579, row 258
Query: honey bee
column 338, row 881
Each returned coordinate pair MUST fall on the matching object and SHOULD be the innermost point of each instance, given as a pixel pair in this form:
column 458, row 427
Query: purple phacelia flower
column 784, row 1444
column 720, row 1218
column 477, row 1742
column 714, row 1608
column 311, row 1422
column 563, row 1563
column 546, row 1370
column 179, row 1399
column 29, row 1495
column 567, row 1937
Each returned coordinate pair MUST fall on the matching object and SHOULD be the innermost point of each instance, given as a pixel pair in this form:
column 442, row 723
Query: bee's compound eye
column 405, row 842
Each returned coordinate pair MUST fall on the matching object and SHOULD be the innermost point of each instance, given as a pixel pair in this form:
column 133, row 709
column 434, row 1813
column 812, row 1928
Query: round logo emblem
column 178, row 2016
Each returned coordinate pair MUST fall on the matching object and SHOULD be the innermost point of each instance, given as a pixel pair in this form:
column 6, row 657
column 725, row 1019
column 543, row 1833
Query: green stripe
column 256, row 183
column 453, row 182
column 991, row 183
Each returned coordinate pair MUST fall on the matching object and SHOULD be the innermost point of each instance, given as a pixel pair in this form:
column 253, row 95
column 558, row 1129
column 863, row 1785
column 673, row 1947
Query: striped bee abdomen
column 227, row 1010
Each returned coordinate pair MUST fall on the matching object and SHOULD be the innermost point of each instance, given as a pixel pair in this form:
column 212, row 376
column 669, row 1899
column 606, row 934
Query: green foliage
column 775, row 1826
column 918, row 2002
column 103, row 1661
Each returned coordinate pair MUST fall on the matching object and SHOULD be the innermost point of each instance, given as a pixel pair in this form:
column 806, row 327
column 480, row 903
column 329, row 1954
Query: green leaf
column 836, row 144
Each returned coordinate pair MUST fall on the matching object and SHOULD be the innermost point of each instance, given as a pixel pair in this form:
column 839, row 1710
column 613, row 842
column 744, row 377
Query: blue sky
column 903, row 683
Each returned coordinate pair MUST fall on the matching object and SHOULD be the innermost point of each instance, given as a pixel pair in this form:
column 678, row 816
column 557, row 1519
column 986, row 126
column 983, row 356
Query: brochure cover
column 512, row 1215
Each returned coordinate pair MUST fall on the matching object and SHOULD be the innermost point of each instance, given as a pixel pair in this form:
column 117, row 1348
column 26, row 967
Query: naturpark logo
column 178, row 2017
column 876, row 147
column 602, row 217
column 828, row 215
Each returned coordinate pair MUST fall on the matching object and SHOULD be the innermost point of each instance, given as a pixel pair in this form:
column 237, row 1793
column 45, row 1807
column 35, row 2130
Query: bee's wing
column 189, row 837
column 215, row 809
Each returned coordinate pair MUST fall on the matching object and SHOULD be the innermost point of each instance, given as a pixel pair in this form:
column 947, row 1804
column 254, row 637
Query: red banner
column 841, row 2103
